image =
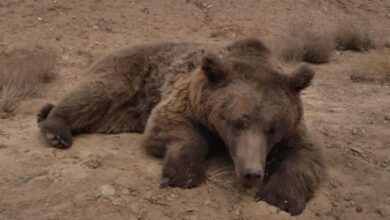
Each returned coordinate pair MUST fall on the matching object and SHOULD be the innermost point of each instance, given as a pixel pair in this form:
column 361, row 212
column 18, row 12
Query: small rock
column 359, row 209
column 116, row 202
column 125, row 191
column 93, row 164
column 357, row 151
column 237, row 210
column 380, row 212
column 355, row 131
column 385, row 163
column 65, row 58
column 347, row 198
column 145, row 10
column 209, row 6
column 107, row 190
column 92, row 198
column 190, row 210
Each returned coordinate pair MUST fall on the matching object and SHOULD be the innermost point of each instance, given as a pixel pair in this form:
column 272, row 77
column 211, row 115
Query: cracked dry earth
column 110, row 177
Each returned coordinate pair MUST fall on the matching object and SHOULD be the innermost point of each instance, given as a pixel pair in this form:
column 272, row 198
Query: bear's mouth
column 250, row 183
column 247, row 185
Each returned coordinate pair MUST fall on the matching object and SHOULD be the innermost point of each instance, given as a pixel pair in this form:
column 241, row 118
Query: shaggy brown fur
column 184, row 95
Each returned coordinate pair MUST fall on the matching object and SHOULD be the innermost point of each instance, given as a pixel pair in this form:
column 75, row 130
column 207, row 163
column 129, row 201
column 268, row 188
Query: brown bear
column 182, row 96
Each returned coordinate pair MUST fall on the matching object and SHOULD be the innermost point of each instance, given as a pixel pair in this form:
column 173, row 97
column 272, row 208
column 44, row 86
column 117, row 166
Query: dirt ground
column 110, row 177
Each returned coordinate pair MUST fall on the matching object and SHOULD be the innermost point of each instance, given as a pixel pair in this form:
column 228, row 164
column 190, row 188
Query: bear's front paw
column 59, row 141
column 181, row 173
column 285, row 197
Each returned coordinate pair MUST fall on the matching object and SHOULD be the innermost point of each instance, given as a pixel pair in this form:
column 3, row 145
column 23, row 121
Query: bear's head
column 249, row 103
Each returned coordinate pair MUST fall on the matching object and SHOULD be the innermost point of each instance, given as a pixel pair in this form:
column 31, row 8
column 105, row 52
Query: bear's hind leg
column 83, row 110
column 57, row 132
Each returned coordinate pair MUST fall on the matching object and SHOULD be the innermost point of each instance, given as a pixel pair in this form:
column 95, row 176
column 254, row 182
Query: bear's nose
column 253, row 173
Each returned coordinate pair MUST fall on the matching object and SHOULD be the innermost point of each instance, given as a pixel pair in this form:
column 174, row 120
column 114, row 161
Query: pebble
column 357, row 151
column 107, row 190
column 359, row 209
column 190, row 210
column 381, row 212
column 237, row 210
column 145, row 10
column 207, row 202
column 116, row 202
column 93, row 164
column 125, row 191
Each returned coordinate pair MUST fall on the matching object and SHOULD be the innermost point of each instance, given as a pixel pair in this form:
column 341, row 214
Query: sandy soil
column 110, row 177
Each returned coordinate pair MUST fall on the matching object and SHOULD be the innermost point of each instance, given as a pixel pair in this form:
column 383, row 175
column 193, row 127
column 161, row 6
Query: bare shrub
column 309, row 47
column 293, row 49
column 351, row 36
column 22, row 71
column 373, row 67
column 386, row 43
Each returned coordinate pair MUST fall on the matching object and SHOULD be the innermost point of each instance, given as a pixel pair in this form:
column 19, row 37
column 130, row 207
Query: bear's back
column 141, row 60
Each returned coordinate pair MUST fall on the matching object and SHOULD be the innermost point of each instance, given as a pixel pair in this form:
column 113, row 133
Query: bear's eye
column 241, row 123
column 271, row 128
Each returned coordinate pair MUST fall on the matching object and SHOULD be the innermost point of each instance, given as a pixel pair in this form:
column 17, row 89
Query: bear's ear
column 214, row 69
column 301, row 78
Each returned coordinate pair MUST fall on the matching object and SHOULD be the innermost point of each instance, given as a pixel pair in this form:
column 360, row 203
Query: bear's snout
column 253, row 173
column 252, row 176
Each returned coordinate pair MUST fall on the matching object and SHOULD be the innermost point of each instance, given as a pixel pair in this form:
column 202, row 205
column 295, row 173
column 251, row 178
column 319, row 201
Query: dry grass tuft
column 351, row 36
column 223, row 177
column 21, row 73
column 374, row 67
column 308, row 47
column 386, row 44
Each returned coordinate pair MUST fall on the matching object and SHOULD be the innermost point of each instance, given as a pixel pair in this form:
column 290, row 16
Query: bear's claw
column 58, row 141
column 165, row 182
column 56, row 132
